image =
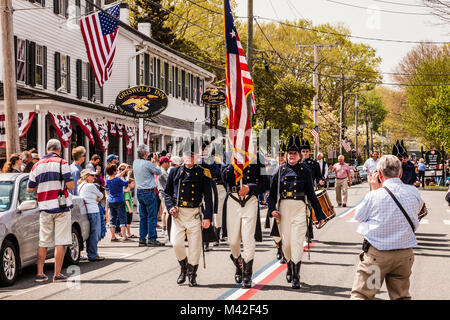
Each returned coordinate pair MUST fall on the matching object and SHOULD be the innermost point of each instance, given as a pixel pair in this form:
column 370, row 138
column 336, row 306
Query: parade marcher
column 389, row 218
column 409, row 175
column 291, row 187
column 311, row 164
column 187, row 187
column 323, row 165
column 221, row 195
column 241, row 215
column 275, row 233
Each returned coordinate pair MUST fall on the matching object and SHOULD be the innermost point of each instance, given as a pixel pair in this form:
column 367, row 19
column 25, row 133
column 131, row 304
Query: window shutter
column 176, row 82
column 27, row 66
column 57, row 70
column 183, row 84
column 79, row 77
column 101, row 95
column 32, row 64
column 191, row 79
column 56, row 6
column 155, row 82
column 91, row 83
column 158, row 73
column 146, row 69
column 166, row 79
column 43, row 3
column 15, row 54
column 198, row 90
column 77, row 10
column 89, row 6
column 44, row 73
column 138, row 60
column 68, row 74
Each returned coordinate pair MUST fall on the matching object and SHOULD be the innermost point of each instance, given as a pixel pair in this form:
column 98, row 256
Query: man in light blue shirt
column 389, row 238
column 144, row 171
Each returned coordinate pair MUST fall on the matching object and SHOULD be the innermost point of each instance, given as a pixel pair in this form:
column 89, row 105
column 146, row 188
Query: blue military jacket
column 409, row 175
column 294, row 181
column 314, row 167
column 195, row 186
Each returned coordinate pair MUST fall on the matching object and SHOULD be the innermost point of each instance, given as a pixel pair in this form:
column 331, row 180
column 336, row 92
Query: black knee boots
column 296, row 275
column 182, row 277
column 247, row 274
column 192, row 274
column 290, row 267
column 217, row 230
column 239, row 268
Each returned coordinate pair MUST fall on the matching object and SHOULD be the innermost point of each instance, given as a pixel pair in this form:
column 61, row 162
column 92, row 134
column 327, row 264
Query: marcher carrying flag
column 239, row 86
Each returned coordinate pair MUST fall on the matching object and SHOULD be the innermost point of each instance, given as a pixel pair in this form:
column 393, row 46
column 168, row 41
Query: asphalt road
column 132, row 272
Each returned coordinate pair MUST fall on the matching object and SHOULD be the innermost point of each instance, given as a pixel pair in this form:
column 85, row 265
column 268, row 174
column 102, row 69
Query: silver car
column 19, row 228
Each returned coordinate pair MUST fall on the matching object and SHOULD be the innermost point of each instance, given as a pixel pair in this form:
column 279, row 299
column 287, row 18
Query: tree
column 438, row 124
column 440, row 8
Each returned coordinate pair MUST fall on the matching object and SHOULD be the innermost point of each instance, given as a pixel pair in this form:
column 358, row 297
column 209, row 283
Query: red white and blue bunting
column 25, row 119
column 63, row 127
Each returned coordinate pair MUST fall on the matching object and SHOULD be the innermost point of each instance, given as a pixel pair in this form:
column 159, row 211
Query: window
column 84, row 79
column 64, row 72
column 23, row 194
column 187, row 87
column 163, row 76
column 150, row 69
column 21, row 60
column 63, row 6
column 39, row 65
column 141, row 69
column 171, row 80
column 179, row 83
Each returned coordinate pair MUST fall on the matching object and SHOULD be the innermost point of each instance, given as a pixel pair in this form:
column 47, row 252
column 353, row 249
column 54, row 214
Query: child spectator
column 128, row 198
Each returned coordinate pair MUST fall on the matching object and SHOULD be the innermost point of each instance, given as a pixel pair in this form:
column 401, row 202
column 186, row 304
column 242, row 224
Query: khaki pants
column 341, row 186
column 241, row 225
column 222, row 193
column 293, row 226
column 376, row 266
column 188, row 223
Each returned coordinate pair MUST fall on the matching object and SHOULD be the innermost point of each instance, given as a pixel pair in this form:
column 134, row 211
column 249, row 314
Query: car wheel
column 73, row 252
column 9, row 263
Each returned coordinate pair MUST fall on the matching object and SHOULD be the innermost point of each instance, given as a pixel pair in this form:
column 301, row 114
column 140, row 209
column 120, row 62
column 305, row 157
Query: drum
column 325, row 204
column 423, row 212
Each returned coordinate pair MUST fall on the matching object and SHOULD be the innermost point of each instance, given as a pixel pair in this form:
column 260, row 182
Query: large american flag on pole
column 239, row 85
column 346, row 144
column 99, row 32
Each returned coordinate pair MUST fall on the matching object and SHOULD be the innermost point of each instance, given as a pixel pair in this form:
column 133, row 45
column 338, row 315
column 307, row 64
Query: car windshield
column 6, row 194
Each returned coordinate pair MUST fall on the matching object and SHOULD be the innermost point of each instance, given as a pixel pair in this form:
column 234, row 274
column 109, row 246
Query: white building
column 54, row 78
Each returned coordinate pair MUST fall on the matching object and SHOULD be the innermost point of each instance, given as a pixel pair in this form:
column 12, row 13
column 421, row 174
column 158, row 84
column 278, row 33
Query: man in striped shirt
column 49, row 177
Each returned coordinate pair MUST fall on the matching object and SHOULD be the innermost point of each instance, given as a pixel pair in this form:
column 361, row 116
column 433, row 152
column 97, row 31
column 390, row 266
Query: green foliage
column 438, row 128
column 372, row 106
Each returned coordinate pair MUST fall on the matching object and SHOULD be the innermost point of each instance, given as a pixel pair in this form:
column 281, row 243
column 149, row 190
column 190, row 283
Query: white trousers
column 188, row 223
column 241, row 225
column 293, row 227
column 222, row 193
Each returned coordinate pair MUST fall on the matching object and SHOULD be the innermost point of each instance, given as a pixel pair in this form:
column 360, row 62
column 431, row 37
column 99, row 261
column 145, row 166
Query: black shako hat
column 305, row 145
column 293, row 144
column 191, row 146
column 281, row 147
column 399, row 150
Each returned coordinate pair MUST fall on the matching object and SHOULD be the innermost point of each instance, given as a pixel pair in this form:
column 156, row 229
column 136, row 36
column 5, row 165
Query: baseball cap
column 164, row 159
column 111, row 157
column 87, row 171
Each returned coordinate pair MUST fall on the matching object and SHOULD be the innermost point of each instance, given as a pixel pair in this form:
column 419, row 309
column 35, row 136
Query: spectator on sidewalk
column 116, row 203
column 128, row 198
column 78, row 156
column 162, row 181
column 342, row 173
column 93, row 163
column 144, row 171
column 389, row 233
column 91, row 196
column 55, row 222
column 421, row 167
column 13, row 164
column 26, row 159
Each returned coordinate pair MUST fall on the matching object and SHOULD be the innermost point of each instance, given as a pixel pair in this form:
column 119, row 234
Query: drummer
column 291, row 187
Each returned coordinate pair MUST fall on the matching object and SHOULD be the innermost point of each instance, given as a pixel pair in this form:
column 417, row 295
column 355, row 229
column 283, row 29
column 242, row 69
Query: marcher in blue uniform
column 312, row 164
column 187, row 187
column 290, row 188
column 241, row 217
column 409, row 175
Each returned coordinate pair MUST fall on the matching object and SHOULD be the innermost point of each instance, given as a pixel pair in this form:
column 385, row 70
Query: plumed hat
column 305, row 145
column 293, row 144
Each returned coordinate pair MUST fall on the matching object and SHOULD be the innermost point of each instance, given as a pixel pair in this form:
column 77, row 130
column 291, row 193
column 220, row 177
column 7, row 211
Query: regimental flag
column 315, row 134
column 99, row 31
column 346, row 144
column 239, row 86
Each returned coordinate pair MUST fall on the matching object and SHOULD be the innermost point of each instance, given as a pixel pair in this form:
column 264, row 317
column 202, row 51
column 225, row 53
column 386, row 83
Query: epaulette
column 206, row 172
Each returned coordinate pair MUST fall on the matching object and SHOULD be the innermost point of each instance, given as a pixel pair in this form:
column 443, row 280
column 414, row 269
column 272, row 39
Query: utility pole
column 316, row 84
column 9, row 78
column 249, row 52
column 356, row 124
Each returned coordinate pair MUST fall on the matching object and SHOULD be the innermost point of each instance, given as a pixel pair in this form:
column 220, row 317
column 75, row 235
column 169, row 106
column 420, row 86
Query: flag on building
column 315, row 134
column 99, row 31
column 346, row 144
column 239, row 85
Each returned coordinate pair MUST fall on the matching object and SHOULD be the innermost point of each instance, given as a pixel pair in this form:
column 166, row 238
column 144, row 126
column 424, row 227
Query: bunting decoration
column 63, row 128
column 25, row 119
column 101, row 131
column 85, row 125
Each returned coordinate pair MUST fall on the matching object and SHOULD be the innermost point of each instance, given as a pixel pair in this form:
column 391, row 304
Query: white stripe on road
column 447, row 221
column 424, row 221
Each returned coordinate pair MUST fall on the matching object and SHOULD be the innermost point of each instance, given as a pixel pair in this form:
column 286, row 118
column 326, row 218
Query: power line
column 381, row 10
column 402, row 4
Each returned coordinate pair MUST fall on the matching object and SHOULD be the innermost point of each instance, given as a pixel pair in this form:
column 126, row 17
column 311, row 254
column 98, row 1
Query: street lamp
column 302, row 127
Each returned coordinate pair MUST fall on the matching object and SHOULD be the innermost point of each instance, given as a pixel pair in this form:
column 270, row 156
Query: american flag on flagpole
column 99, row 31
column 239, row 85
column 315, row 134
column 346, row 144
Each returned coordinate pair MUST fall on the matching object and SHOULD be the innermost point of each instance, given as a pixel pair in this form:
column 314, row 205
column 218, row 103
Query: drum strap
column 401, row 208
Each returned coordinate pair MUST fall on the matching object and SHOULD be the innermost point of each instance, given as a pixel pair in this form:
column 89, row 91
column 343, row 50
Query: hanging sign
column 141, row 101
column 213, row 116
column 213, row 97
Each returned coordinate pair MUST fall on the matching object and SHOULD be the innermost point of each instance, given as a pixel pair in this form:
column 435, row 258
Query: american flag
column 99, row 32
column 346, row 144
column 315, row 134
column 239, row 86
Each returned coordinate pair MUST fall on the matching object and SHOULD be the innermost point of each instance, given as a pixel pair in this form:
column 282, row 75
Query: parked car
column 362, row 173
column 356, row 178
column 331, row 179
column 19, row 228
